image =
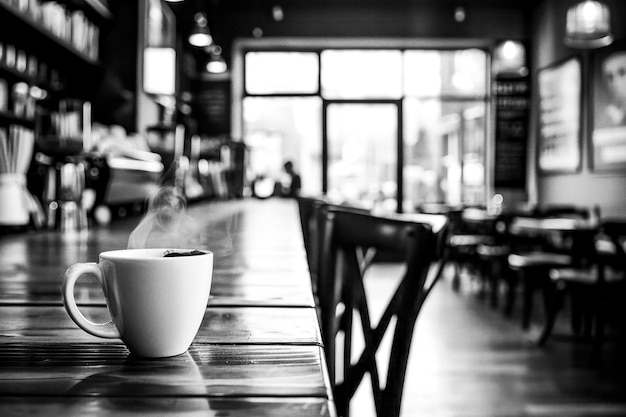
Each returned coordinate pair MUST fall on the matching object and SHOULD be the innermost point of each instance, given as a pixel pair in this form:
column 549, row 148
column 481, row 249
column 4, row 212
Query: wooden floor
column 468, row 360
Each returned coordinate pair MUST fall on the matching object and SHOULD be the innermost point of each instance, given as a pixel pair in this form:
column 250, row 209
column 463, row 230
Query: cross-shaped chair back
column 350, row 241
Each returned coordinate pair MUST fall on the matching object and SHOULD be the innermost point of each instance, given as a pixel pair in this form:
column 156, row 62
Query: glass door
column 363, row 161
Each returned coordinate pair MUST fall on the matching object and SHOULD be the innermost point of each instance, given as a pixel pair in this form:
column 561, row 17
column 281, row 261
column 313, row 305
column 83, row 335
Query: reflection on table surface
column 258, row 351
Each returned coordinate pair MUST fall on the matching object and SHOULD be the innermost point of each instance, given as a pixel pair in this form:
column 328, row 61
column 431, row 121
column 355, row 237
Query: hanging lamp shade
column 588, row 25
column 509, row 57
column 200, row 36
column 216, row 63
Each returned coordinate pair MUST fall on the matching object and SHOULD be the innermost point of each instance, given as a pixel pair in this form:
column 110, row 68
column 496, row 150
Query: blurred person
column 291, row 183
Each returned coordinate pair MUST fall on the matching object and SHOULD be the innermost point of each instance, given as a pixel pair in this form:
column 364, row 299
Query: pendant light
column 588, row 25
column 216, row 63
column 509, row 58
column 200, row 35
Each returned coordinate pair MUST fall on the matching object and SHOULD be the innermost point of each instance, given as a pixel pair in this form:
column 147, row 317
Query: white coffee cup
column 156, row 303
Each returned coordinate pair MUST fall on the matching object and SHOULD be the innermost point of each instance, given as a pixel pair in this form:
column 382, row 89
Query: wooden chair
column 350, row 239
column 308, row 208
column 493, row 257
column 532, row 257
column 591, row 284
column 312, row 219
column 459, row 246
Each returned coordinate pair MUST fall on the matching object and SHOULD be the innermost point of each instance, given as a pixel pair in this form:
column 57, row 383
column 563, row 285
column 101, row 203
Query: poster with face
column 609, row 109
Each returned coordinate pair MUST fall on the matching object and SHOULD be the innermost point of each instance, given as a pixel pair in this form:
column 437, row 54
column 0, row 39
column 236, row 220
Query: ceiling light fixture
column 509, row 57
column 459, row 14
column 277, row 13
column 216, row 63
column 588, row 25
column 200, row 35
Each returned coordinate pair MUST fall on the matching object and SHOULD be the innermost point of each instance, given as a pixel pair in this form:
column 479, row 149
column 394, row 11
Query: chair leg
column 553, row 308
column 511, row 280
column 577, row 314
column 491, row 272
column 499, row 274
column 441, row 268
column 483, row 276
column 547, row 288
column 527, row 300
column 456, row 276
column 598, row 330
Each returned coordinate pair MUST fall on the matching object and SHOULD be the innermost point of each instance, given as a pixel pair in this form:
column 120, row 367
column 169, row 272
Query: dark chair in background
column 459, row 245
column 535, row 252
column 349, row 240
column 592, row 285
column 493, row 258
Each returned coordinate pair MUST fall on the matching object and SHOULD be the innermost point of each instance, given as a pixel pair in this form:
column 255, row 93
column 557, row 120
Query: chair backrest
column 312, row 219
column 577, row 242
column 349, row 238
column 561, row 210
column 614, row 230
column 306, row 208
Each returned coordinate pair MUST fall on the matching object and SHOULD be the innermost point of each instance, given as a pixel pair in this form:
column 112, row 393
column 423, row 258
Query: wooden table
column 258, row 351
column 574, row 235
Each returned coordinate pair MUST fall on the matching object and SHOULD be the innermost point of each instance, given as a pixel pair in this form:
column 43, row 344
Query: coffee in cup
column 157, row 297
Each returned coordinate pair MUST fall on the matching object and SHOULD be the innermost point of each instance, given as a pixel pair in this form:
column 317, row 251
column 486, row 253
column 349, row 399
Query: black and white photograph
column 305, row 208
column 609, row 100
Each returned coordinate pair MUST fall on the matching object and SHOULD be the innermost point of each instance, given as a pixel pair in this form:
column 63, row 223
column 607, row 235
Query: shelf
column 12, row 74
column 101, row 8
column 21, row 23
column 7, row 118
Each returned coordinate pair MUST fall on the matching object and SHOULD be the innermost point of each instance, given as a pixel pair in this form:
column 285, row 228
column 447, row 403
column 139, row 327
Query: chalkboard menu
column 511, row 108
column 214, row 106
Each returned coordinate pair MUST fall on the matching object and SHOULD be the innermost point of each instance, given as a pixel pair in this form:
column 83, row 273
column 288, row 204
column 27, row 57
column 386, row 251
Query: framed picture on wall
column 559, row 137
column 608, row 139
column 159, row 52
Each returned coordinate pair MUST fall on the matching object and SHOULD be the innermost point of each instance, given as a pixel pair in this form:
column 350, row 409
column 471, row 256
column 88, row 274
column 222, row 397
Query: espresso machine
column 63, row 195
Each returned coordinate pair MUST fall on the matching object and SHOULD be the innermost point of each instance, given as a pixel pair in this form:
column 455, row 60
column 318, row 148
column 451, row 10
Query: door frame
column 399, row 141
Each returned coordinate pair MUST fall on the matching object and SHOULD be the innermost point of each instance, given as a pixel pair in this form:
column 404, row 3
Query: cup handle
column 106, row 330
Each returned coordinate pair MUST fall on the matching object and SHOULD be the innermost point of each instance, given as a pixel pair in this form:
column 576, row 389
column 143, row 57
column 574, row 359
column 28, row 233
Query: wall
column 371, row 19
column 121, row 99
column 116, row 99
column 585, row 187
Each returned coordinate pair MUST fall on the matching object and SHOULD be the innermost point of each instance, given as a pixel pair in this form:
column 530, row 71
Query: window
column 460, row 73
column 355, row 74
column 278, row 129
column 440, row 96
column 282, row 72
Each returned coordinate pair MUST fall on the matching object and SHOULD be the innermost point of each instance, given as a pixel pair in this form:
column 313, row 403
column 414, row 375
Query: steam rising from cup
column 166, row 224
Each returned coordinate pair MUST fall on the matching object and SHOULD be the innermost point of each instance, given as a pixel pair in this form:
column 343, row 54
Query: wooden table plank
column 90, row 369
column 51, row 324
column 229, row 287
column 225, row 294
column 166, row 406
